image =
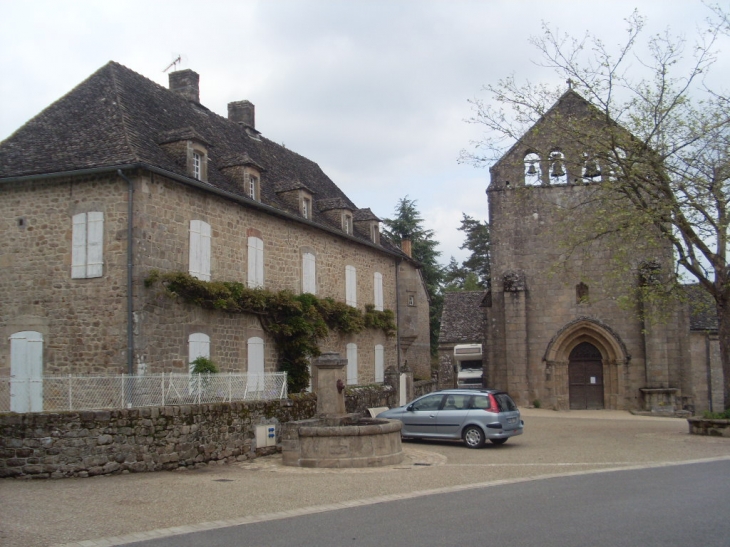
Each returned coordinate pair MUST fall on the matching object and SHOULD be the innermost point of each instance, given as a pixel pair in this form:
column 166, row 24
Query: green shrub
column 203, row 365
column 724, row 415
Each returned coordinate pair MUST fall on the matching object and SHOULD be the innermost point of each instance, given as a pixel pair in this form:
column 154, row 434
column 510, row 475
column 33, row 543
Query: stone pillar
column 515, row 333
column 331, row 374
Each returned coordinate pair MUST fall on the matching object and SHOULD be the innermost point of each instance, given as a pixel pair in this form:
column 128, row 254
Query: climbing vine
column 296, row 322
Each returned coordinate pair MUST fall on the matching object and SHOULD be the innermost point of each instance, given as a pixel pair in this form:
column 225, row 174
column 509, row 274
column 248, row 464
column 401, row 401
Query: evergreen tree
column 408, row 224
column 478, row 242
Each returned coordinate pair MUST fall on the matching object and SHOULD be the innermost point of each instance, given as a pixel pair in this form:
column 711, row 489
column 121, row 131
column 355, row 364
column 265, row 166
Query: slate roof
column 702, row 309
column 462, row 319
column 118, row 117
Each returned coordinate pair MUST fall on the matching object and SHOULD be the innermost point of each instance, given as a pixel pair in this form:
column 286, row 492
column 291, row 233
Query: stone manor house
column 122, row 176
column 555, row 332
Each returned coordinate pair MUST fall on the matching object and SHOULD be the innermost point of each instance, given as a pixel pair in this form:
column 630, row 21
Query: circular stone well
column 341, row 442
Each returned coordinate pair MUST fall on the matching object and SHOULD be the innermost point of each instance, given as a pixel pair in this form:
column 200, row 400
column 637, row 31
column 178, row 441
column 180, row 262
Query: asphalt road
column 121, row 509
column 677, row 506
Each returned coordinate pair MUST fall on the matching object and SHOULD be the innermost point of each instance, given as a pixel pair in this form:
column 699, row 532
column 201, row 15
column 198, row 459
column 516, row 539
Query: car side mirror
column 409, row 408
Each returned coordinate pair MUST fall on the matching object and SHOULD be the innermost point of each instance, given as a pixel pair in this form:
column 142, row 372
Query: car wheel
column 498, row 442
column 473, row 437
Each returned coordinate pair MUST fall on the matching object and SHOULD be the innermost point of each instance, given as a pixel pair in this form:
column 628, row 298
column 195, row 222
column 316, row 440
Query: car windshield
column 505, row 402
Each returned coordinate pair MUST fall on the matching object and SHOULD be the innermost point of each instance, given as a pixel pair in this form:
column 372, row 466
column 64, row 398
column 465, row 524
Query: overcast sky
column 373, row 91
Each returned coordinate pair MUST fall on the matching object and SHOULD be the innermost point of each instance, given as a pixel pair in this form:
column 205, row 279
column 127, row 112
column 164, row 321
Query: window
column 197, row 166
column 379, row 363
column 26, row 363
column 252, row 183
column 255, row 262
column 347, row 223
column 411, row 300
column 430, row 402
column 351, row 364
column 87, row 253
column 351, row 286
column 378, row 291
column 255, row 364
column 306, row 207
column 200, row 250
column 198, row 346
column 309, row 277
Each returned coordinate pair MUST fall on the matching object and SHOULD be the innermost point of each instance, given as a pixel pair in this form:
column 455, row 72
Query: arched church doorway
column 585, row 377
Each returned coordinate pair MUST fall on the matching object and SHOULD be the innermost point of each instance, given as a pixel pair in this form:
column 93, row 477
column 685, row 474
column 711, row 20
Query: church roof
column 118, row 118
column 462, row 319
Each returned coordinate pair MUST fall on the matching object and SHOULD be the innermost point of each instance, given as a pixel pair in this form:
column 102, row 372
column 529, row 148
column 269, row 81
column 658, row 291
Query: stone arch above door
column 590, row 330
column 614, row 357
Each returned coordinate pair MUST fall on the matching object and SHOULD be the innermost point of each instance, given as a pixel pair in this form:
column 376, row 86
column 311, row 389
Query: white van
column 469, row 367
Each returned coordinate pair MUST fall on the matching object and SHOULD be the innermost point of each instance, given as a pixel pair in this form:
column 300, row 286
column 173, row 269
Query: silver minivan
column 471, row 415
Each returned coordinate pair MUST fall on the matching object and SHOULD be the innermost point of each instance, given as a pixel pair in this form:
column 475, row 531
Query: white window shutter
column 204, row 251
column 256, row 363
column 26, row 372
column 351, row 286
column 260, row 262
column 194, row 259
column 351, row 364
column 94, row 244
column 78, row 247
column 255, row 262
column 378, row 290
column 379, row 363
column 309, row 279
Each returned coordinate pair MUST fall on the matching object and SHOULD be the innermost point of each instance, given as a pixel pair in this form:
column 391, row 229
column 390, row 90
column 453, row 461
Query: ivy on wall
column 296, row 322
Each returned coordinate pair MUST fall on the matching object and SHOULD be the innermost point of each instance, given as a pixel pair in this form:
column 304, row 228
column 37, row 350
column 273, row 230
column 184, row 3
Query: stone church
column 555, row 332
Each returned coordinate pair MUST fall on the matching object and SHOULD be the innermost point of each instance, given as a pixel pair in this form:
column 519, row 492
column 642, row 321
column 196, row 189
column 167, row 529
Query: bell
column 558, row 170
column 591, row 170
column 531, row 170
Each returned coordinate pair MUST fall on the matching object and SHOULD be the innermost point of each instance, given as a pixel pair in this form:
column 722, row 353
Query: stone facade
column 547, row 303
column 84, row 321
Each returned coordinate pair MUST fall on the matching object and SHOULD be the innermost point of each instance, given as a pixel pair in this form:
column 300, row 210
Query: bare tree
column 663, row 144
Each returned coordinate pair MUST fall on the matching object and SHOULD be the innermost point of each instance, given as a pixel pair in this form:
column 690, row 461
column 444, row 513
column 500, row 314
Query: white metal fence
column 55, row 393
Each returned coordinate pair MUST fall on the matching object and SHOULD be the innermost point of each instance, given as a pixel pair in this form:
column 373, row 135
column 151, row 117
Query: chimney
column 242, row 112
column 405, row 246
column 185, row 82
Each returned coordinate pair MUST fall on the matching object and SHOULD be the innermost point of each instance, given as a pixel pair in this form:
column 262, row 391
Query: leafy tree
column 663, row 148
column 407, row 224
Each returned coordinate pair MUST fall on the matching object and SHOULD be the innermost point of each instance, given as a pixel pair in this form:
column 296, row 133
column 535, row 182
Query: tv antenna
column 174, row 63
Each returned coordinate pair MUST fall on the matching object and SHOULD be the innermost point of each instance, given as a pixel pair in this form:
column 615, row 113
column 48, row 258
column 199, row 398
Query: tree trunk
column 723, row 331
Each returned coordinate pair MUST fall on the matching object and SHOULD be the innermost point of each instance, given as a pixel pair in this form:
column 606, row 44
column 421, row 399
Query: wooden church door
column 585, row 376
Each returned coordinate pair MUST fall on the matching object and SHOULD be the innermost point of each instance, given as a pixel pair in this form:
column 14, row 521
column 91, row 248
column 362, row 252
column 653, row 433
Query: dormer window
column 252, row 185
column 189, row 149
column 306, row 208
column 244, row 172
column 374, row 233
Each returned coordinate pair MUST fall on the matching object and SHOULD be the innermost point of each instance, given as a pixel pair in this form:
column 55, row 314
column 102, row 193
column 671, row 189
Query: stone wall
column 89, row 443
column 82, row 444
column 710, row 428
